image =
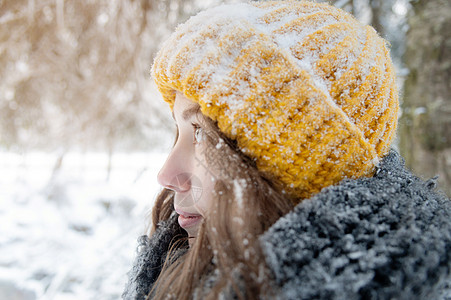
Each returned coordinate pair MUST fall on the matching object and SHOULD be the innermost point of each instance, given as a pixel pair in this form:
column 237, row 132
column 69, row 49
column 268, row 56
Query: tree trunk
column 377, row 11
column 425, row 126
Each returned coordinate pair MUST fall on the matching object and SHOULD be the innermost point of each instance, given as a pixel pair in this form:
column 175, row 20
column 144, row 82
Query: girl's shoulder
column 384, row 237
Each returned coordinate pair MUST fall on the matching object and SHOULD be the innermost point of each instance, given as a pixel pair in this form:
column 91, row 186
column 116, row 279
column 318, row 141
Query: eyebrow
column 187, row 113
column 190, row 111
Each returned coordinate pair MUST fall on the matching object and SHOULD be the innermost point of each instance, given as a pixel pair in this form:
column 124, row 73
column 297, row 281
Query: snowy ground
column 72, row 235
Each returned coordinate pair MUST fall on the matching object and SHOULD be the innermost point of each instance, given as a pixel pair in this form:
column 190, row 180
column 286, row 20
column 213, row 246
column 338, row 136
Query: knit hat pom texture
column 306, row 90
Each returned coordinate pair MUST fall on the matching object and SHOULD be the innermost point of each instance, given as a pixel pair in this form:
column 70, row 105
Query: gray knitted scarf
column 385, row 237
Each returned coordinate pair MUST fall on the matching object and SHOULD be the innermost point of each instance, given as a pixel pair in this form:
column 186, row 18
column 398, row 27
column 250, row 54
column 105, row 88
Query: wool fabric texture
column 384, row 237
column 307, row 91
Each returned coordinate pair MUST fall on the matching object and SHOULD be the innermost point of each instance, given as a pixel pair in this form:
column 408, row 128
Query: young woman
column 281, row 183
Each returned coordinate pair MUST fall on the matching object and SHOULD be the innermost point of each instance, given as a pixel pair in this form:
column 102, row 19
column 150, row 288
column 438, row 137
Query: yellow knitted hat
column 306, row 90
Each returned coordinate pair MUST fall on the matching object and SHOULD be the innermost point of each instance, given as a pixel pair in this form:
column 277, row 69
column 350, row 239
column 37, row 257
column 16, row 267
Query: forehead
column 184, row 107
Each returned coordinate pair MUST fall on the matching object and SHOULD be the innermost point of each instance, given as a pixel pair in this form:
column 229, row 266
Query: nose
column 173, row 175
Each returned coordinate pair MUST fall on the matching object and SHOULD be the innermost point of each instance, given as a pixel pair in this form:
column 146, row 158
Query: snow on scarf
column 385, row 237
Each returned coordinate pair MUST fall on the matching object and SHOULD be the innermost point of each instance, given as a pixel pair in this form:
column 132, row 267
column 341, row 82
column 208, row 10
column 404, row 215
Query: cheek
column 206, row 198
column 207, row 172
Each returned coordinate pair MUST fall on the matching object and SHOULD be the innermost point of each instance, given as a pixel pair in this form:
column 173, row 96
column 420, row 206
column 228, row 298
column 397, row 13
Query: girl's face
column 185, row 170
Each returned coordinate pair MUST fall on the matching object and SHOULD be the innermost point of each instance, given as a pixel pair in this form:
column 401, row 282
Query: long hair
column 226, row 257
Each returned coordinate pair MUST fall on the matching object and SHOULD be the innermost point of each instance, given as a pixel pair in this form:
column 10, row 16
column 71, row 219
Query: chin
column 192, row 233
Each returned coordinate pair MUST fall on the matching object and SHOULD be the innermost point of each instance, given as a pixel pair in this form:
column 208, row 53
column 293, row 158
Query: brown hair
column 226, row 256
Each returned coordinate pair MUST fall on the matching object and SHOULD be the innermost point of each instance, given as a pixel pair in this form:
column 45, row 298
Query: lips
column 187, row 220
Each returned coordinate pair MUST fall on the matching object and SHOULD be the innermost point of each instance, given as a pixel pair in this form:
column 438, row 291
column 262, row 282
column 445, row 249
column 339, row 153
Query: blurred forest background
column 75, row 78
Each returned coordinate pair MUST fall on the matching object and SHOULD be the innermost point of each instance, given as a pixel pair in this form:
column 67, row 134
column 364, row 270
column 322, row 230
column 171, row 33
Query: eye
column 198, row 134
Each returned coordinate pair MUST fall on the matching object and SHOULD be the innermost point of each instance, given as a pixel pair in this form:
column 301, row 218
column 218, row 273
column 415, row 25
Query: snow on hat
column 306, row 90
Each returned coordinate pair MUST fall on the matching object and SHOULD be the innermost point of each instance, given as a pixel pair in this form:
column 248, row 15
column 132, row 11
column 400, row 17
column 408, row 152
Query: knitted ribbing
column 306, row 91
